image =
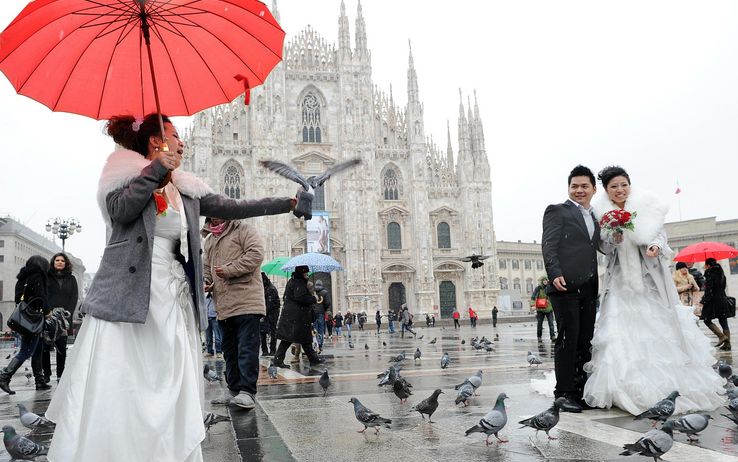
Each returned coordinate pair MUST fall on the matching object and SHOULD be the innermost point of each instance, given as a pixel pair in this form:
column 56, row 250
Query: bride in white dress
column 646, row 344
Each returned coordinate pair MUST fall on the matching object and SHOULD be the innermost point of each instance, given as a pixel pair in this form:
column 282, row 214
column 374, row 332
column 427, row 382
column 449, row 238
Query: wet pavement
column 293, row 421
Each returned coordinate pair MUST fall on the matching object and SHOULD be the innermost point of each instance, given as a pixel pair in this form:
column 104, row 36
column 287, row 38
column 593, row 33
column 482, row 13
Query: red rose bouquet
column 161, row 203
column 617, row 220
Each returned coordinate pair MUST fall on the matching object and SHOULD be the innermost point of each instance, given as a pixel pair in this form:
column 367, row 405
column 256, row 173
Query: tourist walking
column 63, row 295
column 544, row 310
column 472, row 317
column 338, row 324
column 686, row 285
column 362, row 320
column 378, row 320
column 494, row 316
column 715, row 303
column 329, row 324
column 407, row 321
column 391, row 318
column 348, row 322
column 456, row 315
column 269, row 322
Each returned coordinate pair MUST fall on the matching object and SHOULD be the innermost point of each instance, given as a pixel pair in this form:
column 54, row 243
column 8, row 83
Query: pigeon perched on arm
column 210, row 375
column 661, row 410
column 546, row 420
column 465, row 391
column 654, row 443
column 428, row 405
column 31, row 420
column 212, row 418
column 692, row 424
column 367, row 418
column 20, row 447
column 533, row 359
column 494, row 421
column 445, row 360
column 325, row 381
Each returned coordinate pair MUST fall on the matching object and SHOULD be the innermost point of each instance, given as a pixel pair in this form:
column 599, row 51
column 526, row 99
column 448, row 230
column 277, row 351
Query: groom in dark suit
column 571, row 238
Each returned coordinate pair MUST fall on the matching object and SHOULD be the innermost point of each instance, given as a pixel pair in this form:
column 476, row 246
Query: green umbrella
column 274, row 267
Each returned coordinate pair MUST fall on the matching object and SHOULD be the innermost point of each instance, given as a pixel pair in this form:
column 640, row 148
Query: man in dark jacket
column 63, row 293
column 296, row 319
column 322, row 305
column 715, row 303
column 269, row 322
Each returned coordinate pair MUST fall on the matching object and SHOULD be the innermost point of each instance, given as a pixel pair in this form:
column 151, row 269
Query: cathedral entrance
column 396, row 296
column 447, row 296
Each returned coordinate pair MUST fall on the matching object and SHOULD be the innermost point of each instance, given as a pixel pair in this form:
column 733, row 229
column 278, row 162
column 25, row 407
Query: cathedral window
column 394, row 238
column 391, row 186
column 232, row 183
column 529, row 285
column 319, row 198
column 539, row 264
column 311, row 131
column 503, row 264
column 515, row 264
column 527, row 264
column 503, row 283
column 444, row 235
column 516, row 284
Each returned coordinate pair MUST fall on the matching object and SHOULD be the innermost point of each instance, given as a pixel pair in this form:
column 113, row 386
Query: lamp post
column 63, row 228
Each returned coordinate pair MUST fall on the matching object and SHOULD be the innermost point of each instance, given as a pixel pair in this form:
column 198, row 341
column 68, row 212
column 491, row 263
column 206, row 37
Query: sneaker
column 244, row 400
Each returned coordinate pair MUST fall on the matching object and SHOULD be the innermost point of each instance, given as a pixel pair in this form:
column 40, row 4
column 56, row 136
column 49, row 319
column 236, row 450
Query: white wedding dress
column 133, row 392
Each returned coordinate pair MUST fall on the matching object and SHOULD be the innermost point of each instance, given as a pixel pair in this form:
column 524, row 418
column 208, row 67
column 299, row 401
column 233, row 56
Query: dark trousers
column 494, row 320
column 721, row 320
column 456, row 323
column 575, row 318
column 60, row 345
column 540, row 316
column 284, row 345
column 379, row 326
column 241, row 351
column 213, row 337
column 272, row 343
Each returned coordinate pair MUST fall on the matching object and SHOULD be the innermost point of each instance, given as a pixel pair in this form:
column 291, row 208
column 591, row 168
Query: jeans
column 30, row 347
column 338, row 330
column 60, row 345
column 241, row 351
column 319, row 325
column 539, row 329
column 348, row 329
column 213, row 330
column 391, row 327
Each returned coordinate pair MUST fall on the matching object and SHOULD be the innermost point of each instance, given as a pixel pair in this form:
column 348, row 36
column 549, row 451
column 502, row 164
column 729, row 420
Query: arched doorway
column 396, row 296
column 447, row 298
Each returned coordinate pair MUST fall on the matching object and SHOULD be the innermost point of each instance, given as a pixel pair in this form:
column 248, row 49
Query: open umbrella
column 704, row 250
column 274, row 267
column 100, row 58
column 317, row 262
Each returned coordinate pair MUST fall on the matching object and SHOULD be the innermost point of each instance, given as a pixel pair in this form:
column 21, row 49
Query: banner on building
column 318, row 233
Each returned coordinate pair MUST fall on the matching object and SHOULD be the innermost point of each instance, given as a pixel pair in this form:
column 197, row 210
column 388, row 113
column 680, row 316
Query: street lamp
column 63, row 228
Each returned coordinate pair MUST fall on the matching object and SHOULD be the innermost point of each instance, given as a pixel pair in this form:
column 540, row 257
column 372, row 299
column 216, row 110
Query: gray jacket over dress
column 120, row 289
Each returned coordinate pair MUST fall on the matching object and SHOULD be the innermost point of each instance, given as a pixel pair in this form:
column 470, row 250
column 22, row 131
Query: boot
column 7, row 374
column 720, row 335
column 726, row 342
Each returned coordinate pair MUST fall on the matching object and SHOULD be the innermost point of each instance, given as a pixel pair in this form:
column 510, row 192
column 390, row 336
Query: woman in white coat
column 646, row 344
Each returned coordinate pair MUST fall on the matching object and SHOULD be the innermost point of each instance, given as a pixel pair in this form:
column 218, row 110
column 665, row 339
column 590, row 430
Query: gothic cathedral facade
column 400, row 222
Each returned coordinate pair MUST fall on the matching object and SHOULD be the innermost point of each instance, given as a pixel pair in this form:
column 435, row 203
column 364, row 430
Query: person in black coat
column 63, row 295
column 31, row 287
column 715, row 303
column 269, row 322
column 296, row 319
column 571, row 238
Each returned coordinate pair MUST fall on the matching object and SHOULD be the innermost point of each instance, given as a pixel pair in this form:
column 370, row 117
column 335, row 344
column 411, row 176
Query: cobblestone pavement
column 293, row 421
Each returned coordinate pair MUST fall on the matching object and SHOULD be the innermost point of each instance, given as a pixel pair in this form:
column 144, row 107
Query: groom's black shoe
column 583, row 404
column 569, row 405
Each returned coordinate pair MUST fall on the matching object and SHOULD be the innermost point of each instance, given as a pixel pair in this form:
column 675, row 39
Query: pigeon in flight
column 661, row 410
column 546, row 420
column 20, row 447
column 429, row 405
column 494, row 421
column 310, row 183
column 692, row 424
column 210, row 375
column 32, row 420
column 367, row 418
column 325, row 382
column 654, row 443
column 476, row 260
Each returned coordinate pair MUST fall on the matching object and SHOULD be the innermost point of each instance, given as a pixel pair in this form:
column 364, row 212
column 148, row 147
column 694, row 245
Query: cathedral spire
column 275, row 11
column 478, row 124
column 361, row 45
column 413, row 93
column 344, row 37
column 449, row 149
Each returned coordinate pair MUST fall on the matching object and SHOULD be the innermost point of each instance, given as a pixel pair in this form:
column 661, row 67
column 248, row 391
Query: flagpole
column 679, row 200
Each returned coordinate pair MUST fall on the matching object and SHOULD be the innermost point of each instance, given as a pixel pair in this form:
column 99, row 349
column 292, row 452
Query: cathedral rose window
column 311, row 131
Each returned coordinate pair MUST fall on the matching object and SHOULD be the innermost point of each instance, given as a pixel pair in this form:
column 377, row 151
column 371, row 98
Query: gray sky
column 649, row 85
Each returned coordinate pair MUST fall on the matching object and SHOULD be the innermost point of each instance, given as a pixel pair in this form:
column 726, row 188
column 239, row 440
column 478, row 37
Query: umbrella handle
column 147, row 39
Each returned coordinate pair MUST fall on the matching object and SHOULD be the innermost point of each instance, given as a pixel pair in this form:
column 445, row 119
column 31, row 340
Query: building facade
column 400, row 221
column 520, row 266
column 17, row 244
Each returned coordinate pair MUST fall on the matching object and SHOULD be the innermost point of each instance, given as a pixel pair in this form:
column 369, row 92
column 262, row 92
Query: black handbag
column 25, row 319
column 731, row 307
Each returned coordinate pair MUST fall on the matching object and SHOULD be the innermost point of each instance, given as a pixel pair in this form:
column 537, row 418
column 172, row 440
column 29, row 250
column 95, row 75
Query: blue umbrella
column 317, row 262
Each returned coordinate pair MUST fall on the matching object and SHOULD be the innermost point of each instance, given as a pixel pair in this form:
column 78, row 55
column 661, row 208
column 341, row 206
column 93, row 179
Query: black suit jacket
column 567, row 248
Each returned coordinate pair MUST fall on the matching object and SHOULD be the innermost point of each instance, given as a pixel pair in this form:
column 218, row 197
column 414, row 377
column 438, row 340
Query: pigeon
column 475, row 260
column 546, row 420
column 466, row 390
column 8, row 357
column 210, row 375
column 417, row 354
column 388, row 377
column 489, row 348
column 732, row 394
column 533, row 359
column 31, row 420
column 421, row 337
column 20, row 447
column 272, row 370
column 691, row 424
column 384, row 344
column 428, row 405
column 724, row 370
column 654, row 443
column 29, row 376
column 475, row 380
column 433, row 342
column 212, row 418
column 399, row 358
column 368, row 418
column 325, row 381
column 494, row 421
column 497, row 337
column 733, row 406
column 402, row 389
column 366, row 346
column 661, row 410
column 312, row 182
column 732, row 418
column 351, row 345
column 444, row 361
column 463, row 342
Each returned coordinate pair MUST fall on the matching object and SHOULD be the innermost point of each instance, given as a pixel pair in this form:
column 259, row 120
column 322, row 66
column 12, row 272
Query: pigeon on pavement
column 325, row 381
column 384, row 344
column 366, row 346
column 533, row 359
column 692, row 424
column 433, row 342
column 661, row 410
column 212, row 418
column 654, row 443
column 272, row 370
column 31, row 420
column 444, row 361
column 546, row 420
column 421, row 337
column 367, row 418
column 428, row 405
column 20, row 447
column 417, row 354
column 402, row 389
column 210, row 375
column 465, row 391
column 351, row 344
column 724, row 370
column 399, row 358
column 494, row 421
column 463, row 342
column 475, row 380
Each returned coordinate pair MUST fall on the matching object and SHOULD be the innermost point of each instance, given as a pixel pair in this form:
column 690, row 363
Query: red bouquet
column 161, row 203
column 617, row 220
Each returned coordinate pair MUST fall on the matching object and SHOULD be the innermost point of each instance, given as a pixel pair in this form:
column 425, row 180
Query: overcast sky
column 649, row 85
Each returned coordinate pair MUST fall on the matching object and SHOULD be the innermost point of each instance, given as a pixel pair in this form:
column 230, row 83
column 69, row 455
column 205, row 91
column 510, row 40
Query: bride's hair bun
column 134, row 134
column 608, row 173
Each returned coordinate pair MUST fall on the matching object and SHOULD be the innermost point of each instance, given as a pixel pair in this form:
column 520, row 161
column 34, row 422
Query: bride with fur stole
column 646, row 344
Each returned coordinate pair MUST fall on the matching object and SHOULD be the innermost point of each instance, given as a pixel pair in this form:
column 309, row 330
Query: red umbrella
column 101, row 58
column 704, row 250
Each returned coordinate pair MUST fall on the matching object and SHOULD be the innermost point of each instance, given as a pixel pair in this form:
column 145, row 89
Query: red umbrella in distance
column 100, row 58
column 704, row 250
